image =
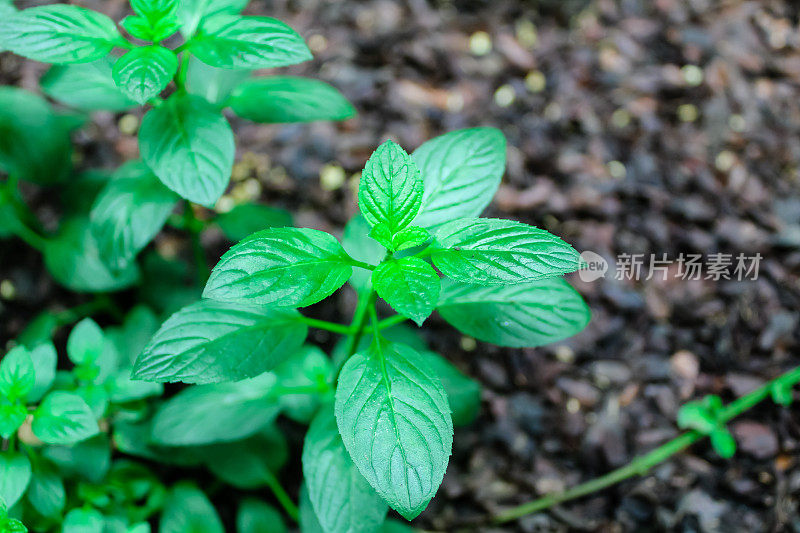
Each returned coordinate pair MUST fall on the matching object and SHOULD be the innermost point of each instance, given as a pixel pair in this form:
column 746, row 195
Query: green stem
column 180, row 76
column 641, row 465
column 195, row 227
column 341, row 329
column 101, row 302
column 358, row 325
column 361, row 264
column 283, row 498
column 387, row 323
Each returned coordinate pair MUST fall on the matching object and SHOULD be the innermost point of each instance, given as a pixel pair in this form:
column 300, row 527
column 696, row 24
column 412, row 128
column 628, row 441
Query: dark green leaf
column 524, row 315
column 463, row 393
column 255, row 516
column 128, row 213
column 59, row 33
column 410, row 285
column 283, row 99
column 189, row 146
column 145, row 71
column 461, row 171
column 187, row 510
column 15, row 474
column 394, row 420
column 88, row 86
column 283, row 266
column 497, row 251
column 46, row 493
column 390, row 190
column 250, row 463
column 213, row 341
column 73, row 258
column 309, row 368
column 344, row 502
column 248, row 42
column 17, row 375
column 64, row 418
column 246, row 219
column 216, row 413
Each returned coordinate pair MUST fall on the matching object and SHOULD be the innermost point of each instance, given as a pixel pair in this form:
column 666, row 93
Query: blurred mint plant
column 185, row 140
column 383, row 407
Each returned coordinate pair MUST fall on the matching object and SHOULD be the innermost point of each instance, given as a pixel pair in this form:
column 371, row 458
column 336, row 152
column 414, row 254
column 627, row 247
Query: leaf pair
column 705, row 416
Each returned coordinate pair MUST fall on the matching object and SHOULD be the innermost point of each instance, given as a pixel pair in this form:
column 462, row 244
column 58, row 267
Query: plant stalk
column 641, row 465
column 195, row 226
column 283, row 498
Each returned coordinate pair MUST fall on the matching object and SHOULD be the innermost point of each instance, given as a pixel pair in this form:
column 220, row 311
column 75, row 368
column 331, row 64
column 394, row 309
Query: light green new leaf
column 187, row 510
column 343, row 500
column 410, row 285
column 189, row 146
column 255, row 516
column 12, row 416
column 228, row 41
column 46, row 493
column 15, row 474
column 73, row 258
column 17, row 375
column 523, row 315
column 128, row 213
column 212, row 83
column 83, row 521
column 220, row 412
column 246, row 219
column 211, row 341
column 145, row 71
column 723, row 442
column 64, row 418
column 492, row 251
column 395, row 422
column 85, row 342
column 283, row 266
column 463, row 393
column 88, row 86
column 192, row 12
column 45, row 359
column 284, row 99
column 59, row 33
column 390, row 190
column 461, row 171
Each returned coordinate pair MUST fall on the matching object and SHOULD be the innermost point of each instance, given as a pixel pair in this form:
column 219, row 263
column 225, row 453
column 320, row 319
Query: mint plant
column 382, row 408
column 186, row 142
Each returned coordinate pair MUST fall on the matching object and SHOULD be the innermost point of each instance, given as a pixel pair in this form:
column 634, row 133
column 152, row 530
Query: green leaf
column 89, row 459
column 212, row 341
column 496, row 251
column 723, row 442
column 64, row 418
column 694, row 415
column 187, row 510
column 59, row 33
column 361, row 247
column 309, row 367
column 46, row 493
column 11, row 525
column 250, row 463
column 73, row 258
column 154, row 10
column 284, row 99
column 127, row 215
column 309, row 523
column 35, row 143
column 409, row 238
column 145, row 71
column 394, row 420
column 88, row 86
column 781, row 393
column 15, row 474
column 342, row 498
column 17, row 375
column 255, row 516
column 524, row 315
column 83, row 521
column 215, row 413
column 284, row 266
column 390, row 190
column 12, row 416
column 44, row 359
column 189, row 146
column 192, row 12
column 461, row 171
column 227, row 41
column 246, row 219
column 212, row 83
column 85, row 343
column 410, row 285
column 463, row 393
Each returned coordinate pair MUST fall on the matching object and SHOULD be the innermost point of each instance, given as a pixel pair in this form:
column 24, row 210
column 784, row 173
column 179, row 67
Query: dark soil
column 619, row 151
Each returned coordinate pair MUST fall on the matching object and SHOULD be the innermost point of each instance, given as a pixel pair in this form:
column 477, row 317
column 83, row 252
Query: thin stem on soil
column 641, row 465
